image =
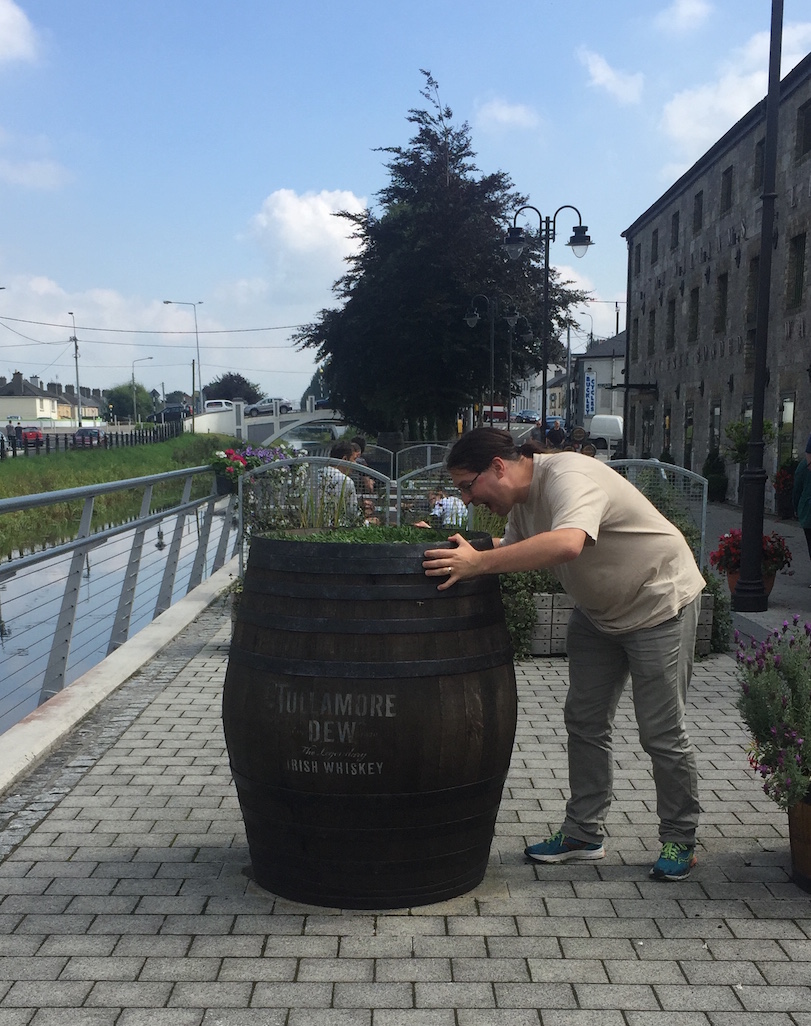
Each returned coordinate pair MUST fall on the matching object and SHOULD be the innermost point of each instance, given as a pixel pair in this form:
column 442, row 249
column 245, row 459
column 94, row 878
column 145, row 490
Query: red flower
column 727, row 557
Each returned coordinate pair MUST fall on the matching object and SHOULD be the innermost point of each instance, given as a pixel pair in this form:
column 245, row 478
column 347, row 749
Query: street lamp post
column 180, row 302
column 472, row 318
column 138, row 359
column 514, row 244
column 750, row 594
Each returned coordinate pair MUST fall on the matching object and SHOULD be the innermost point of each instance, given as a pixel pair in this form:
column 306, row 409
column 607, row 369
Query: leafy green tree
column 397, row 351
column 120, row 399
column 233, row 386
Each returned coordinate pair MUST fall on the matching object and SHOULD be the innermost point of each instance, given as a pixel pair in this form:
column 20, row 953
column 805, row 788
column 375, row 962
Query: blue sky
column 196, row 150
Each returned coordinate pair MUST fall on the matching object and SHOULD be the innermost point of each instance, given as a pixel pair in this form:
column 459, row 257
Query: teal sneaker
column 560, row 848
column 675, row 862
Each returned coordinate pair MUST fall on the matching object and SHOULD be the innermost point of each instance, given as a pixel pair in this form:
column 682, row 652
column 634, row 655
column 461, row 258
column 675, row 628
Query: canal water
column 30, row 603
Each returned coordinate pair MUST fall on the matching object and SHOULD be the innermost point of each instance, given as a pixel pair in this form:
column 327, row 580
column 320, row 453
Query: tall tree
column 398, row 351
column 233, row 386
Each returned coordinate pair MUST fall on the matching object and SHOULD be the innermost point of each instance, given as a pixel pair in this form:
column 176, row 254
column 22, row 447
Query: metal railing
column 60, row 609
column 679, row 494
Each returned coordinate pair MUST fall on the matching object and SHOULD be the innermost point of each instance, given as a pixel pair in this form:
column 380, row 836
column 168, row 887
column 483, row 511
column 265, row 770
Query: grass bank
column 56, row 471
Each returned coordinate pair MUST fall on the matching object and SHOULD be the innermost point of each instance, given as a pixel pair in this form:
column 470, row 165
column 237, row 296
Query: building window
column 648, row 423
column 698, row 211
column 635, row 339
column 749, row 349
column 715, row 425
column 688, row 436
column 785, row 434
column 796, row 271
column 638, row 258
column 758, row 171
column 692, row 316
column 721, row 303
column 654, row 246
column 674, row 229
column 670, row 326
column 666, row 427
column 752, row 290
column 651, row 332
column 804, row 130
column 726, row 190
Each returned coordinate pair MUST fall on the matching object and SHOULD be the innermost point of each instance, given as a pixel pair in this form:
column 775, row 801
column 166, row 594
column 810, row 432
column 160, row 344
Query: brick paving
column 123, row 898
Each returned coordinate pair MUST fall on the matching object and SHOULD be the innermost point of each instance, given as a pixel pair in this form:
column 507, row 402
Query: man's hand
column 452, row 565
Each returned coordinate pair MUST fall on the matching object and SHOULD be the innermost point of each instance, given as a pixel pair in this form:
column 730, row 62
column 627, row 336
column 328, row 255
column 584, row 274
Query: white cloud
column 622, row 85
column 305, row 242
column 684, row 15
column 497, row 114
column 17, row 38
column 695, row 118
column 33, row 174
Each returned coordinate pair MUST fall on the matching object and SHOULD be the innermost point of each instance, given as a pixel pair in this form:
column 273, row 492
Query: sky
column 197, row 150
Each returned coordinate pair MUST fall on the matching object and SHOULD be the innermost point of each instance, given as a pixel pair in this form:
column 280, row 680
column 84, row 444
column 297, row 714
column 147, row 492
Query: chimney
column 96, row 393
column 70, row 390
column 3, row 381
column 55, row 387
column 17, row 378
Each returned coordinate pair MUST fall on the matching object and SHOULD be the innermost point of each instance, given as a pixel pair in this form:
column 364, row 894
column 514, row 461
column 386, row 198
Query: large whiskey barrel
column 369, row 720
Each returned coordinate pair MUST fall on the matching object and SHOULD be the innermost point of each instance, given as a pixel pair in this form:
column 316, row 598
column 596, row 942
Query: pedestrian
column 801, row 496
column 538, row 433
column 555, row 436
column 337, row 498
column 449, row 510
column 637, row 593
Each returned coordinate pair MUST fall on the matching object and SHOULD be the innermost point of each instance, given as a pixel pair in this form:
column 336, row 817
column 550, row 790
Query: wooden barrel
column 369, row 720
column 799, row 833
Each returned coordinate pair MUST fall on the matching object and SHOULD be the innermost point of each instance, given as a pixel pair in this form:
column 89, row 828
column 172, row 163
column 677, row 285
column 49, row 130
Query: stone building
column 692, row 290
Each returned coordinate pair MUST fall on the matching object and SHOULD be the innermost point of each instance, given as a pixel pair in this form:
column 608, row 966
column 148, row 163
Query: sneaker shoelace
column 671, row 850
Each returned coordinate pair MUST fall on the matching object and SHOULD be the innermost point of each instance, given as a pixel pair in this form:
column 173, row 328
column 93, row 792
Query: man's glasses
column 467, row 486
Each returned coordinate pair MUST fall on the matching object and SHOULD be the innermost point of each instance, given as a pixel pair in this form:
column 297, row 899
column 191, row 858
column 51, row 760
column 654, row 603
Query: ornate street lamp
column 750, row 595
column 514, row 243
column 472, row 318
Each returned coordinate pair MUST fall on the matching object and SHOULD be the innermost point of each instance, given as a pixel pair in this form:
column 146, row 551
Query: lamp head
column 472, row 318
column 514, row 242
column 580, row 240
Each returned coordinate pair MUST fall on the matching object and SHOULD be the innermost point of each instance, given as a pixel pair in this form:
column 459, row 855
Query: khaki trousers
column 659, row 662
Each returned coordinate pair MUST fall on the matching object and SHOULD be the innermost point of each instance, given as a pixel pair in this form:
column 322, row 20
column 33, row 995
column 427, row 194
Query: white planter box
column 553, row 612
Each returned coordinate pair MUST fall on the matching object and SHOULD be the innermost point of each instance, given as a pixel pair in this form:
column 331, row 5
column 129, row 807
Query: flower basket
column 775, row 554
column 775, row 705
column 224, row 484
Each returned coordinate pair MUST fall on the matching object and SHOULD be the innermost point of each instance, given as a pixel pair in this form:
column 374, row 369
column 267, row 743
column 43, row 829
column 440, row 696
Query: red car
column 32, row 436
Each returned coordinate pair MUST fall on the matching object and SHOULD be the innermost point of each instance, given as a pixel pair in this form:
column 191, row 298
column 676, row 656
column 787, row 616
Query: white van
column 213, row 405
column 605, row 434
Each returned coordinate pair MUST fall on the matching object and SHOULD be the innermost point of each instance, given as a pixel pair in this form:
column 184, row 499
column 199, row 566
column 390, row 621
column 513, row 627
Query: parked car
column 324, row 404
column 527, row 416
column 31, row 436
column 266, row 406
column 88, row 436
column 215, row 405
column 315, row 439
column 174, row 411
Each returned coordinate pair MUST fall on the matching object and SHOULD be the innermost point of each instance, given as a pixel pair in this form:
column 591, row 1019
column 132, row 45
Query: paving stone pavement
column 123, row 898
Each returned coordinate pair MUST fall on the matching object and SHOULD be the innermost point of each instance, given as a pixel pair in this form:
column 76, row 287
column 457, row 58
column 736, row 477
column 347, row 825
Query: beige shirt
column 636, row 569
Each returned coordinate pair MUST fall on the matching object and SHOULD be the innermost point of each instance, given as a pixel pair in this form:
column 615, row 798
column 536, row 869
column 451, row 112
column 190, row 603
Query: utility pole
column 75, row 342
